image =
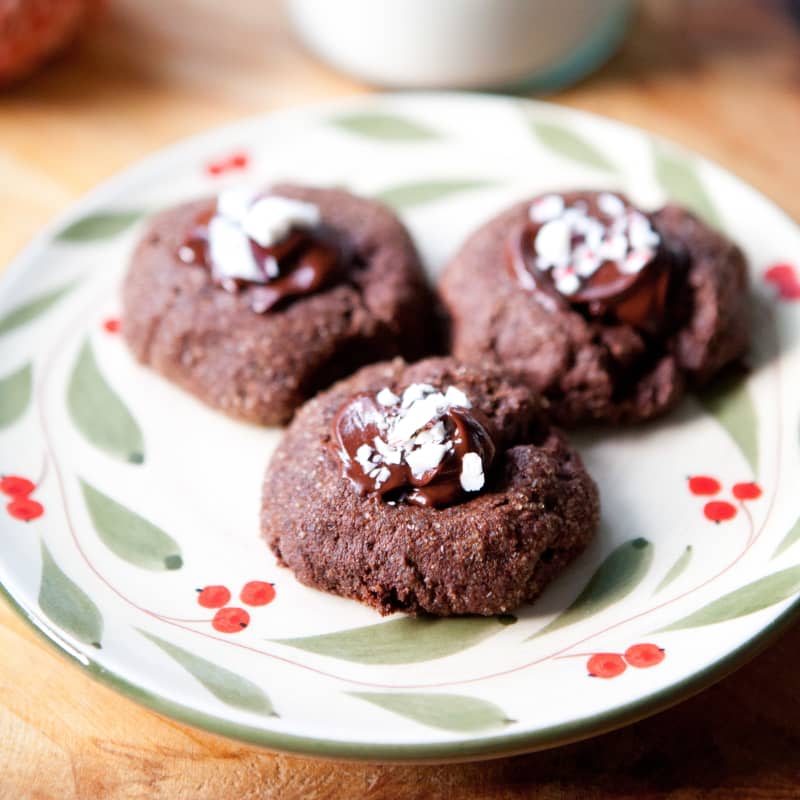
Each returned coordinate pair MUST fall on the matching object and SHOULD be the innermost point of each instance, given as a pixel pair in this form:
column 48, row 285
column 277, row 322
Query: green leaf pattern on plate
column 449, row 712
column 98, row 226
column 789, row 539
column 232, row 689
column 676, row 570
column 130, row 536
column 678, row 177
column 15, row 395
column 384, row 127
column 28, row 311
column 614, row 579
column 400, row 641
column 99, row 413
column 67, row 605
column 748, row 599
column 730, row 403
column 409, row 195
column 565, row 143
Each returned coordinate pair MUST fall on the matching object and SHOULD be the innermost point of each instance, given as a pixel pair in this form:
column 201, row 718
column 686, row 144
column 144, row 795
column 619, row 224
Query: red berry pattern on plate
column 25, row 509
column 785, row 280
column 704, row 485
column 234, row 162
column 257, row 593
column 719, row 511
column 22, row 506
column 606, row 665
column 15, row 486
column 230, row 620
column 746, row 491
column 213, row 596
column 722, row 510
column 111, row 325
column 642, row 655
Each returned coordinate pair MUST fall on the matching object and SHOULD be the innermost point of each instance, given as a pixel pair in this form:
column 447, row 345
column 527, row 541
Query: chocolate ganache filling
column 272, row 246
column 426, row 447
column 599, row 254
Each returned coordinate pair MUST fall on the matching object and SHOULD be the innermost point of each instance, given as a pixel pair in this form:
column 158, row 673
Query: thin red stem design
column 42, row 471
column 579, row 655
column 563, row 652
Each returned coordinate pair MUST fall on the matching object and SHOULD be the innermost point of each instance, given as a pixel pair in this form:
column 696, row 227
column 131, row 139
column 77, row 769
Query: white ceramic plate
column 142, row 495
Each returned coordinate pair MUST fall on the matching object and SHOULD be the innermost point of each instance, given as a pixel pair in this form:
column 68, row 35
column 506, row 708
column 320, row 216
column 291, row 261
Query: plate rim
column 454, row 750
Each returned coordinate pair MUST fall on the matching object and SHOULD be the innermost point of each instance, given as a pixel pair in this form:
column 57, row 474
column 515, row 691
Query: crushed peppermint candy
column 424, row 439
column 546, row 208
column 472, row 477
column 572, row 244
column 386, row 397
column 413, row 433
column 243, row 217
column 270, row 219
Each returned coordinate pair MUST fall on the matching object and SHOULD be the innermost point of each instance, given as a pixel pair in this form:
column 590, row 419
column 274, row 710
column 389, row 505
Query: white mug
column 542, row 44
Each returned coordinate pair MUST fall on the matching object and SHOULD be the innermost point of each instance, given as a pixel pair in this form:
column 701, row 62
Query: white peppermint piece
column 618, row 227
column 271, row 267
column 363, row 456
column 573, row 216
column 230, row 251
column 586, row 262
column 640, row 233
column 610, row 204
column 472, row 477
column 416, row 391
column 552, row 242
column 636, row 261
column 390, row 455
column 270, row 219
column 381, row 477
column 186, row 254
column 436, row 433
column 425, row 458
column 581, row 223
column 372, row 416
column 594, row 234
column 233, row 204
column 566, row 281
column 455, row 397
column 543, row 265
column 546, row 208
column 417, row 416
column 614, row 247
column 386, row 397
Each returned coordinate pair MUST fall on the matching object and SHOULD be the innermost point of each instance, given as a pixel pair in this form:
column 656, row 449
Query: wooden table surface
column 722, row 76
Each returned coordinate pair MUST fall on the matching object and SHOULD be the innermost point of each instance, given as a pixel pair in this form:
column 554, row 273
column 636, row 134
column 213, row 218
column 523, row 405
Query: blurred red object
column 33, row 30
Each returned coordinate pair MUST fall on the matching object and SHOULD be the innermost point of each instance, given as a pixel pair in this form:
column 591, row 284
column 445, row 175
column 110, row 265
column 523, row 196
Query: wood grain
column 722, row 76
